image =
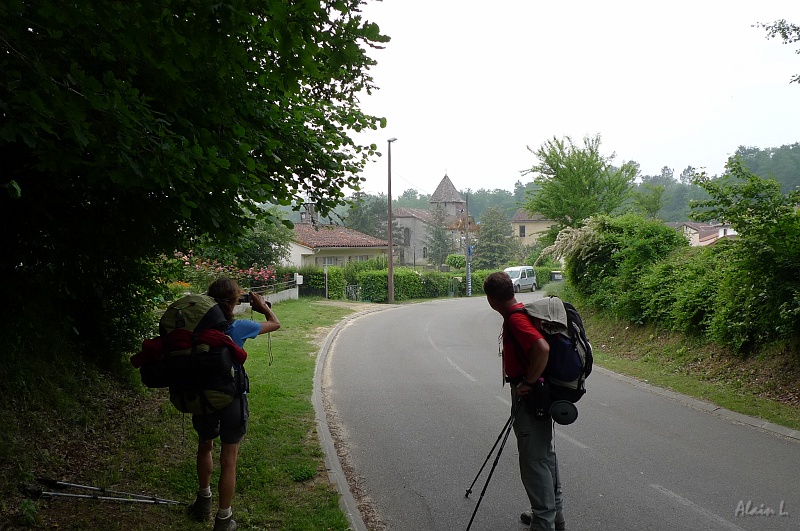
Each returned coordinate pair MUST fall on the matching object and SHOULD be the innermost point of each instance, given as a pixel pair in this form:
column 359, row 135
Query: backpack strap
column 517, row 347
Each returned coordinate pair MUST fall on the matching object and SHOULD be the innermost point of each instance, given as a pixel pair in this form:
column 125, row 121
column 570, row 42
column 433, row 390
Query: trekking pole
column 509, row 421
column 55, row 484
column 509, row 426
column 39, row 493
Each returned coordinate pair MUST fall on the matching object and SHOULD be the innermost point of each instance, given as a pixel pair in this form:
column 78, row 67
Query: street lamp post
column 469, row 254
column 389, row 228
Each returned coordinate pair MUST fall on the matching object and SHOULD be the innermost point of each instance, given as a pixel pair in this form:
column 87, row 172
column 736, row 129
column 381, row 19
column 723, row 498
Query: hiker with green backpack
column 230, row 423
column 199, row 356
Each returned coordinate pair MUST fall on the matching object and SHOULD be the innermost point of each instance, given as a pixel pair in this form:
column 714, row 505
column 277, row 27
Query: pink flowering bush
column 195, row 273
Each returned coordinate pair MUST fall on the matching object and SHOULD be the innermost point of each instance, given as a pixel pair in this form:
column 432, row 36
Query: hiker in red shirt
column 537, row 458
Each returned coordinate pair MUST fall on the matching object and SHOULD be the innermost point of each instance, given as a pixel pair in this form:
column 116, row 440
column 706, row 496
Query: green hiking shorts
column 229, row 424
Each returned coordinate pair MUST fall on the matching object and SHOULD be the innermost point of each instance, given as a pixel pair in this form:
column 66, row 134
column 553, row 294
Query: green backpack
column 201, row 378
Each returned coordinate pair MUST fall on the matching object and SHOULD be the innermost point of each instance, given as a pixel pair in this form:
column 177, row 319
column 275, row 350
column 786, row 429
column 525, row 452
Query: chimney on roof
column 309, row 215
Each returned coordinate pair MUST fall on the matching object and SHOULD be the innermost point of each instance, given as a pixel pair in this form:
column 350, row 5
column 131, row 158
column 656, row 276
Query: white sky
column 466, row 85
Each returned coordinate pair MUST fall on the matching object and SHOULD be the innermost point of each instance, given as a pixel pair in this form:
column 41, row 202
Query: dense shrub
column 374, row 285
column 680, row 292
column 607, row 256
column 742, row 292
column 543, row 274
column 759, row 286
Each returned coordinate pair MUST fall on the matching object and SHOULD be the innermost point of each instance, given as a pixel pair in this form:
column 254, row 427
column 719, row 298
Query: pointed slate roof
column 446, row 193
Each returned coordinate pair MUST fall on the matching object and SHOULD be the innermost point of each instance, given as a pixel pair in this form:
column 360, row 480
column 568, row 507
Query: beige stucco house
column 527, row 228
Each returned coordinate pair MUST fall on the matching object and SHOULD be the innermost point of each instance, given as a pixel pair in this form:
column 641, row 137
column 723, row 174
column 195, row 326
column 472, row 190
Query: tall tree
column 494, row 247
column 438, row 239
column 687, row 175
column 367, row 213
column 577, row 181
column 132, row 128
column 412, row 199
column 781, row 163
column 648, row 200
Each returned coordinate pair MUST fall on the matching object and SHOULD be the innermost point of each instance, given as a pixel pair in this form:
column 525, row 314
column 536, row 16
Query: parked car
column 523, row 278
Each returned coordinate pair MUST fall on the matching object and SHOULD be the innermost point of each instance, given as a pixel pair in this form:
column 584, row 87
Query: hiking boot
column 225, row 524
column 200, row 509
column 561, row 523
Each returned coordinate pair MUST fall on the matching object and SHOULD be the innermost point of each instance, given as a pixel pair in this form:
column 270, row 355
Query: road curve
column 414, row 393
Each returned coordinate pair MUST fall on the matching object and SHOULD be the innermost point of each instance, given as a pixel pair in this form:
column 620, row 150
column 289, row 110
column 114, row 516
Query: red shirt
column 525, row 334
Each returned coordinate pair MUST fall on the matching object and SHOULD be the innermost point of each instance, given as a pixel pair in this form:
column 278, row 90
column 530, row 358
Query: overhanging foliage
column 131, row 128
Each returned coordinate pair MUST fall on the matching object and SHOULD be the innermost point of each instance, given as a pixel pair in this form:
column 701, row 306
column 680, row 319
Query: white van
column 523, row 278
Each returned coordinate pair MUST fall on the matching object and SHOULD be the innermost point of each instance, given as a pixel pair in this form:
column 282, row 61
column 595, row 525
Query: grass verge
column 133, row 440
column 765, row 386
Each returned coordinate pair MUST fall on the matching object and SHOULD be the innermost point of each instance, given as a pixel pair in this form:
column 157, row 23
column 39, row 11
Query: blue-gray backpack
column 570, row 360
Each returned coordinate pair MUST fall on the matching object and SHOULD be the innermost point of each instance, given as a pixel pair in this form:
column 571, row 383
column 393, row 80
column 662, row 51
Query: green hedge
column 408, row 283
column 314, row 281
column 418, row 284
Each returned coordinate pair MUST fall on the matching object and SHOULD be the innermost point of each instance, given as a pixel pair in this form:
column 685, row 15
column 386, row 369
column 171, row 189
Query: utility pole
column 390, row 280
column 469, row 253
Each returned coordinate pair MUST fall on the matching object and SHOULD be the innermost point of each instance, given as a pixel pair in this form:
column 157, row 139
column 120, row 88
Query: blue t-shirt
column 243, row 329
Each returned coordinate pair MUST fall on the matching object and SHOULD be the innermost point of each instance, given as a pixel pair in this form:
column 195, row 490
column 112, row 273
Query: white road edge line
column 459, row 369
column 572, row 441
column 503, row 400
column 708, row 514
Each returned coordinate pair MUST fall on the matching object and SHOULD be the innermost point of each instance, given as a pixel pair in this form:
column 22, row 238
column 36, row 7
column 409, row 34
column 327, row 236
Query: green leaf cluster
column 456, row 261
column 576, row 182
column 607, row 256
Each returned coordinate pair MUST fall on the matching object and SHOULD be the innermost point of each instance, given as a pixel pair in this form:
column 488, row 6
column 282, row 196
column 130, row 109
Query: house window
column 406, row 237
column 328, row 260
column 522, row 231
column 424, row 252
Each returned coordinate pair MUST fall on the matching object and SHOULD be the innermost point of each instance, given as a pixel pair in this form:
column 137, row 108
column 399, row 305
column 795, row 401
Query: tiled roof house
column 319, row 245
column 700, row 234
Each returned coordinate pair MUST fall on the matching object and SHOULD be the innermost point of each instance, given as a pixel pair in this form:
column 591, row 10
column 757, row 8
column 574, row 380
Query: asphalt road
column 418, row 399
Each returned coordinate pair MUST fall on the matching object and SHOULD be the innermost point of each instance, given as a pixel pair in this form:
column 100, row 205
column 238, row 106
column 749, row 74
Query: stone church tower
column 414, row 222
column 447, row 197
